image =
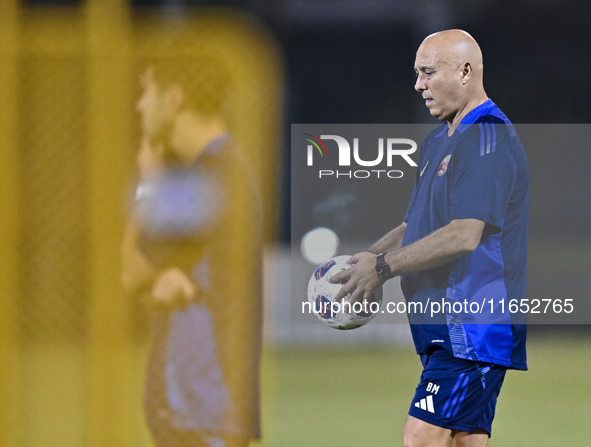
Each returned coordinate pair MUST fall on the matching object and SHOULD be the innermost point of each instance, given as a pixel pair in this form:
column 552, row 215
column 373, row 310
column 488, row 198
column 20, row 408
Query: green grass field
column 360, row 397
column 318, row 398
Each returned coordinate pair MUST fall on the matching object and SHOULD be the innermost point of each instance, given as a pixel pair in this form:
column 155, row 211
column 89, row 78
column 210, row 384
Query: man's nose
column 420, row 83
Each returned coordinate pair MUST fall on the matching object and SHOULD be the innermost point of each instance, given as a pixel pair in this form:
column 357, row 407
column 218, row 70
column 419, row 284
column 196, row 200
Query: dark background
column 352, row 61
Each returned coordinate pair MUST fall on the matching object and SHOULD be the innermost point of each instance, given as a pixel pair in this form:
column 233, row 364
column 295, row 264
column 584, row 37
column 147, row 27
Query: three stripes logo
column 426, row 404
column 488, row 138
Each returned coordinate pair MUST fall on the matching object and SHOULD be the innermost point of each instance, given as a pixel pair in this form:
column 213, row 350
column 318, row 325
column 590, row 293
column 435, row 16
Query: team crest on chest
column 443, row 166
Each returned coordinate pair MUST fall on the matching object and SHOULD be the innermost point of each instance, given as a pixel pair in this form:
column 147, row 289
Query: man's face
column 439, row 81
column 154, row 113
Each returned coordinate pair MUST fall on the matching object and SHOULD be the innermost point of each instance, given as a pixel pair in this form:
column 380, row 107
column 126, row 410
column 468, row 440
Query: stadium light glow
column 319, row 244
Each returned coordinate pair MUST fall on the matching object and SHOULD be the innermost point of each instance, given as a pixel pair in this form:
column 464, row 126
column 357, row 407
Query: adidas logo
column 426, row 404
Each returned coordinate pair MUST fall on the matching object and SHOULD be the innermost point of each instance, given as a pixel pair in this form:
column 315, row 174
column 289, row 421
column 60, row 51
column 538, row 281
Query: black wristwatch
column 382, row 268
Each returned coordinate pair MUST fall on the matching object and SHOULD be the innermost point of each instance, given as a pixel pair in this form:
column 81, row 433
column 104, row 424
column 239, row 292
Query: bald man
column 460, row 250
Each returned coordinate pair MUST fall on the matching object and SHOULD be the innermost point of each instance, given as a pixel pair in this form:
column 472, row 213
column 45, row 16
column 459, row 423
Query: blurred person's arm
column 149, row 158
column 168, row 287
column 138, row 273
column 164, row 287
column 391, row 241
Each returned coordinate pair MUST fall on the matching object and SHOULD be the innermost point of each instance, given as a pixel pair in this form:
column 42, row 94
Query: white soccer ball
column 341, row 315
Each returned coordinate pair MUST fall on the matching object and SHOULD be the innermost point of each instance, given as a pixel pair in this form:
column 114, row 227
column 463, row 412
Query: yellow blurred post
column 9, row 21
column 110, row 115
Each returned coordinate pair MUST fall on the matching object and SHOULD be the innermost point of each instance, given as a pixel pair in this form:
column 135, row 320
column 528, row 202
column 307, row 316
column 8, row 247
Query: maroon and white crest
column 443, row 166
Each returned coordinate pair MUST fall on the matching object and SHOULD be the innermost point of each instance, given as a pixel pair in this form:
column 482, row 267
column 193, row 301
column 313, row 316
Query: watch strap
column 383, row 269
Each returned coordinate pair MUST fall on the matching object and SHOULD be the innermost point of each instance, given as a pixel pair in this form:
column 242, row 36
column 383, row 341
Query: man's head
column 172, row 86
column 449, row 72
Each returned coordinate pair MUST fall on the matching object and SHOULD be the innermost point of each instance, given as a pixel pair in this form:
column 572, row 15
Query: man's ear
column 175, row 98
column 467, row 71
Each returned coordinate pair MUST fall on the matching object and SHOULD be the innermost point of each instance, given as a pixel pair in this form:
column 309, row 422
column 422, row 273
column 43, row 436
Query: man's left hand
column 173, row 290
column 360, row 280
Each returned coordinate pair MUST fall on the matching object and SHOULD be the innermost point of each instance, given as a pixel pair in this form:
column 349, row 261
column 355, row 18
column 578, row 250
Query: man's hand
column 360, row 280
column 173, row 289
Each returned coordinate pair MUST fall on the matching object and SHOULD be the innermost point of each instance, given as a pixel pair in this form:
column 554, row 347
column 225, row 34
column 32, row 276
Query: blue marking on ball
column 326, row 308
column 321, row 271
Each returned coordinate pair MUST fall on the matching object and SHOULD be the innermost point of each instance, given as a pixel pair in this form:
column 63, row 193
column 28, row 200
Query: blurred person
column 463, row 240
column 193, row 249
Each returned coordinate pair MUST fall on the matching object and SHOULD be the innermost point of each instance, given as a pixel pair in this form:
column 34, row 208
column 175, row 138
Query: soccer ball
column 341, row 315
